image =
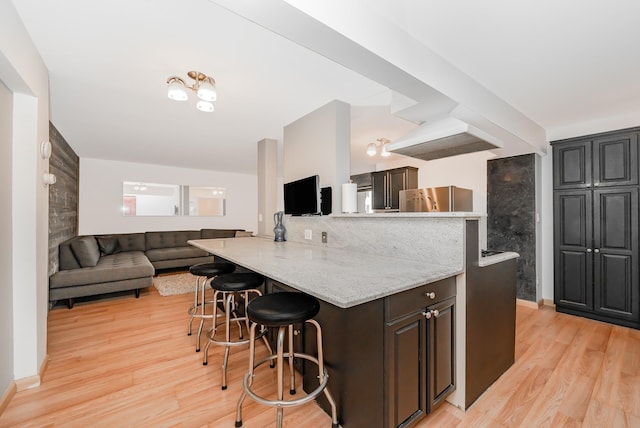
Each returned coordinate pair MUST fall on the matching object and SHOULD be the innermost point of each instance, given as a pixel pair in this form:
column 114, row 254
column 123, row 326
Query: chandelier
column 204, row 86
column 372, row 148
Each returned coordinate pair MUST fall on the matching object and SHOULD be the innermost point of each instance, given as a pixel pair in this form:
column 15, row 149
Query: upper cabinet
column 363, row 181
column 610, row 160
column 386, row 187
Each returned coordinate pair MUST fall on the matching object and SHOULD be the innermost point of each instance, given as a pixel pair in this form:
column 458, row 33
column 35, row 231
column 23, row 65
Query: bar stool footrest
column 286, row 403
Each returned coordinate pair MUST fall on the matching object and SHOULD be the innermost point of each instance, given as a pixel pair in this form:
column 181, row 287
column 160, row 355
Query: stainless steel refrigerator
column 436, row 199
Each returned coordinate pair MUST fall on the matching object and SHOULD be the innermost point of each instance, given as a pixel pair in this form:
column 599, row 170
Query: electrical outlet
column 324, row 237
column 308, row 234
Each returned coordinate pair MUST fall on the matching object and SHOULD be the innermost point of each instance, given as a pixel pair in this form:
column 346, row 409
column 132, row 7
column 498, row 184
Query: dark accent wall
column 511, row 216
column 63, row 196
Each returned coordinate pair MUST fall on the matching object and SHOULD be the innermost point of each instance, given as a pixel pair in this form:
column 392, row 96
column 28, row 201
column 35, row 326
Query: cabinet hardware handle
column 588, row 250
column 427, row 315
column 597, row 250
column 430, row 294
column 436, row 313
column 296, row 332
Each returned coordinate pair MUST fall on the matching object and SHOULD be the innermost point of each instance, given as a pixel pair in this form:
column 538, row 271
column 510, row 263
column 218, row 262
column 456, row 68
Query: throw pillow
column 241, row 233
column 108, row 245
column 86, row 251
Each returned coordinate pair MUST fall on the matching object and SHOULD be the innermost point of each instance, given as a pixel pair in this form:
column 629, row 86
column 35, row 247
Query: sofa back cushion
column 86, row 251
column 218, row 233
column 130, row 241
column 108, row 245
column 170, row 239
column 65, row 256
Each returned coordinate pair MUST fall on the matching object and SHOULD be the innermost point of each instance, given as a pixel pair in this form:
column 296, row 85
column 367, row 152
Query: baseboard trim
column 27, row 382
column 529, row 303
column 33, row 381
column 8, row 396
column 548, row 302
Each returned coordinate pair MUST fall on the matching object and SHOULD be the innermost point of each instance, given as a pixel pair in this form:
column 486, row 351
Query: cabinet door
column 616, row 253
column 441, row 352
column 573, row 240
column 362, row 180
column 379, row 190
column 572, row 165
column 397, row 182
column 615, row 160
column 405, row 348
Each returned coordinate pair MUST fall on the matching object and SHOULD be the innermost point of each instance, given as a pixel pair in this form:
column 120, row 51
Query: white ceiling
column 565, row 66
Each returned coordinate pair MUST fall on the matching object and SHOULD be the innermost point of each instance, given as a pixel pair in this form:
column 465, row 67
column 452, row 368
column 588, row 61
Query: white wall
column 319, row 143
column 100, row 200
column 6, row 258
column 545, row 256
column 25, row 75
column 268, row 184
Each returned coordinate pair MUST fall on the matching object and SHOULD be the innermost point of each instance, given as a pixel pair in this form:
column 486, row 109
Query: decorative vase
column 279, row 231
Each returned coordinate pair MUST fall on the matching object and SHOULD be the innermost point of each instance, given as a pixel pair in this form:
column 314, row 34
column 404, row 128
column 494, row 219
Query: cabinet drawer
column 417, row 298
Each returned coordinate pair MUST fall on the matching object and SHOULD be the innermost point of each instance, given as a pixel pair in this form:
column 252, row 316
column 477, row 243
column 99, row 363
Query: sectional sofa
column 98, row 264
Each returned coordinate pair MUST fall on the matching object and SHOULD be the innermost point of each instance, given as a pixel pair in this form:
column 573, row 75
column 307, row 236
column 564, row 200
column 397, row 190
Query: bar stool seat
column 203, row 272
column 274, row 310
column 283, row 310
column 226, row 288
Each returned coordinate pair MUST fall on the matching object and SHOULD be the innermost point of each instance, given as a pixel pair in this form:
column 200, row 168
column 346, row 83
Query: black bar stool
column 203, row 272
column 226, row 287
column 283, row 310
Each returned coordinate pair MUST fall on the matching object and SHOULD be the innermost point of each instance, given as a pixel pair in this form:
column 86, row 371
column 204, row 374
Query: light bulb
column 206, row 91
column 205, row 106
column 371, row 149
column 176, row 90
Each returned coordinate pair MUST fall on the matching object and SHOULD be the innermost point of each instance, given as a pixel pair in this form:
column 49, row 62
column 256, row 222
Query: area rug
column 177, row 283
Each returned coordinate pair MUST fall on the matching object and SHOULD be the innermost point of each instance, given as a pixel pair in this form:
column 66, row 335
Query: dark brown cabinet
column 386, row 187
column 419, row 351
column 363, row 181
column 608, row 160
column 596, row 223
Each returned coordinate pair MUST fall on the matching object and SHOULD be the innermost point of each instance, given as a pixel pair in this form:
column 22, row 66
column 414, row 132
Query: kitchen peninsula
column 393, row 294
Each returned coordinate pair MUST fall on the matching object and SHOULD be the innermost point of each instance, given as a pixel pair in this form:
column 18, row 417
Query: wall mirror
column 156, row 199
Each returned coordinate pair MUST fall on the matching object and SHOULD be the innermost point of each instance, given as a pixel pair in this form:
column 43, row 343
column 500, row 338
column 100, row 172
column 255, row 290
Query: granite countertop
column 340, row 277
column 497, row 258
column 391, row 215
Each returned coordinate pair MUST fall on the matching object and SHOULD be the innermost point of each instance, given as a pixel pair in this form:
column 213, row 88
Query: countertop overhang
column 343, row 278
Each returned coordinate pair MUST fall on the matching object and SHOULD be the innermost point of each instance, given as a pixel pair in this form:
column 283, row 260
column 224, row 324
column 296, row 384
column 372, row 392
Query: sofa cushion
column 129, row 241
column 86, row 250
column 170, row 239
column 114, row 267
column 108, row 245
column 218, row 233
column 65, row 256
column 175, row 253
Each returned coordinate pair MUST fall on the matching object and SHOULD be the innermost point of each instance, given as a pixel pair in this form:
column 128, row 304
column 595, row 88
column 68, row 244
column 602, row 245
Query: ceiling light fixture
column 372, row 148
column 204, row 86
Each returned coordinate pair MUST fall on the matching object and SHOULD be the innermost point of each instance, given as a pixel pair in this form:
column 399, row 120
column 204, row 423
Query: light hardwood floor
column 126, row 362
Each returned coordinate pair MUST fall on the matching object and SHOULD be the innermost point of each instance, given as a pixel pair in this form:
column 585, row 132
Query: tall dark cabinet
column 596, row 218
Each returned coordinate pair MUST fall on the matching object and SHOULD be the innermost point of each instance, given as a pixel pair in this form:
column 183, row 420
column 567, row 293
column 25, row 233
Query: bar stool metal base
column 204, row 272
column 228, row 342
column 280, row 403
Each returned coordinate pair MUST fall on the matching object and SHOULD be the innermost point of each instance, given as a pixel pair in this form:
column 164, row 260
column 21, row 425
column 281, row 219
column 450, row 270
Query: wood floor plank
column 128, row 362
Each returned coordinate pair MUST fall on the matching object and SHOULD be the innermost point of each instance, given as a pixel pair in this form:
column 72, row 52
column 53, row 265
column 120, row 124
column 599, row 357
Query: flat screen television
column 302, row 197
